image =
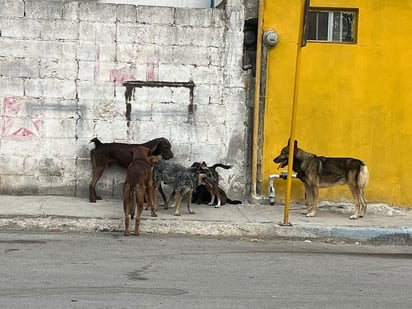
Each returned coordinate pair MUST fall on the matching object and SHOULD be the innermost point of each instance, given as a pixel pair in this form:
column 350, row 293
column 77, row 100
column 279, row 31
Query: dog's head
column 140, row 152
column 283, row 158
column 163, row 148
column 144, row 153
column 206, row 176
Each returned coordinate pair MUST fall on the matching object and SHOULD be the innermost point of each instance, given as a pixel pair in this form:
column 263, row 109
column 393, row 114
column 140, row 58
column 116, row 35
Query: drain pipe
column 272, row 194
column 258, row 76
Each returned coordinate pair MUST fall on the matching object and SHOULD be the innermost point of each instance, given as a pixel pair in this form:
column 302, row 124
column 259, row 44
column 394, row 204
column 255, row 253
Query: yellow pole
column 257, row 97
column 294, row 113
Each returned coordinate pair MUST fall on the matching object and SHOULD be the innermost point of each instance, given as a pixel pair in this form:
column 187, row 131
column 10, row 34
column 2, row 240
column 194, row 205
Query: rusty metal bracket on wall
column 131, row 85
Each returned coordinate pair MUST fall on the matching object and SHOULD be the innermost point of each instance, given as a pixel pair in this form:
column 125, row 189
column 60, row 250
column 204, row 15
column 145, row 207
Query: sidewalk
column 382, row 224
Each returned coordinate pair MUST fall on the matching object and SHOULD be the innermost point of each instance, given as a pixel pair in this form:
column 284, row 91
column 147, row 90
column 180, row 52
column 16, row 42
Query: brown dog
column 319, row 172
column 139, row 181
column 107, row 154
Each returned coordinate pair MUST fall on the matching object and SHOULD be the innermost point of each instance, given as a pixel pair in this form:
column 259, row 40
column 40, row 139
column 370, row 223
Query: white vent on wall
column 169, row 3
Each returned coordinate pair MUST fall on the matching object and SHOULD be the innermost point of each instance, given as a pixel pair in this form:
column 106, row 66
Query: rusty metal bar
column 132, row 84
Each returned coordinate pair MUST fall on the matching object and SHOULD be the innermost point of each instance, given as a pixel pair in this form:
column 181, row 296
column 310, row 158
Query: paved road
column 108, row 270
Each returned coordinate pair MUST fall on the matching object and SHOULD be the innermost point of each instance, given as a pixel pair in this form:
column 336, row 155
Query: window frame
column 330, row 29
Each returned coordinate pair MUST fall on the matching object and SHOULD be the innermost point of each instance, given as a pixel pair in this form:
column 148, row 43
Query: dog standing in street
column 318, row 172
column 139, row 181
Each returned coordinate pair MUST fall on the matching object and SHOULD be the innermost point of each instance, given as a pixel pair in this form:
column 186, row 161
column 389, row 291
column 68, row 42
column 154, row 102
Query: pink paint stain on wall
column 152, row 67
column 21, row 119
column 119, row 76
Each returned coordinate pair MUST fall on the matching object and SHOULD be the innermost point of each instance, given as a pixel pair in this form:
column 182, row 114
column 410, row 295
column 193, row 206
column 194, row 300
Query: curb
column 261, row 230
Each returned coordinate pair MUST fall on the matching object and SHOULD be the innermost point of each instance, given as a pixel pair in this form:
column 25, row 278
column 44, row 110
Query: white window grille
column 332, row 26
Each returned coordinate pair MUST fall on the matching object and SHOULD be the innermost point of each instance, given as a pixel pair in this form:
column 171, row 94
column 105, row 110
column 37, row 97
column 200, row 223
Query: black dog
column 206, row 194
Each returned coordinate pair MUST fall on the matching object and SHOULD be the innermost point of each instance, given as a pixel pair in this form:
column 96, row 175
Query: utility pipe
column 300, row 44
column 272, row 192
column 256, row 109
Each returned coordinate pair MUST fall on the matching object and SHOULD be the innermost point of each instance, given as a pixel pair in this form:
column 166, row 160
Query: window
column 332, row 26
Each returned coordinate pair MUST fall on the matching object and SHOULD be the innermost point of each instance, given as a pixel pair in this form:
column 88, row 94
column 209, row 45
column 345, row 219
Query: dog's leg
column 97, row 172
column 356, row 196
column 126, row 207
column 189, row 202
column 162, row 193
column 140, row 193
column 178, row 202
column 308, row 199
column 171, row 197
column 363, row 203
column 219, row 200
column 212, row 198
column 314, row 192
column 150, row 200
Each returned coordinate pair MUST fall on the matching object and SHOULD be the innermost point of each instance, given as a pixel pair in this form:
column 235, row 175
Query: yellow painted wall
column 354, row 100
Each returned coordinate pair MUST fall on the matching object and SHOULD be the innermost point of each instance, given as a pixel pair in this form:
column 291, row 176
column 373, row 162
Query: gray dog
column 181, row 179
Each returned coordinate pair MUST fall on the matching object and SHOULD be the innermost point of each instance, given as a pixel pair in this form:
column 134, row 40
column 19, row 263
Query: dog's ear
column 296, row 144
column 154, row 159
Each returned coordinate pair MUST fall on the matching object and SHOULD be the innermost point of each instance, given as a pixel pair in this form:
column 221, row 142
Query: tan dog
column 319, row 172
column 139, row 180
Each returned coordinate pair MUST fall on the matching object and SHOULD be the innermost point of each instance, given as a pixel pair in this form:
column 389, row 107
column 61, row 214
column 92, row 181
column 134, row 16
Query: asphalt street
column 107, row 270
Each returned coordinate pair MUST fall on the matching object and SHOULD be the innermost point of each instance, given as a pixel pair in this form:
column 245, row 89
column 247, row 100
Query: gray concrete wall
column 62, row 65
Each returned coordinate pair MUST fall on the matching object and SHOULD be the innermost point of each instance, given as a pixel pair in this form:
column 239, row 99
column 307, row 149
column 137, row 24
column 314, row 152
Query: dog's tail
column 233, row 202
column 96, row 142
column 363, row 176
column 220, row 165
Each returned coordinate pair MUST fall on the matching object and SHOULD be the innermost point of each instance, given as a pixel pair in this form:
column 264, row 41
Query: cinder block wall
column 62, row 69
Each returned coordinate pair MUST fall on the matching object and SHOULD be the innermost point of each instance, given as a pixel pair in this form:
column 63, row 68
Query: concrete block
column 20, row 185
column 55, row 88
column 126, row 14
column 71, row 10
column 87, row 70
column 95, row 12
column 199, row 56
column 194, row 18
column 164, row 15
column 20, row 28
column 20, row 67
column 59, row 128
column 95, row 90
column 11, row 47
column 12, row 167
column 60, row 69
column 50, row 10
column 14, row 147
column 163, row 36
column 46, row 49
column 59, row 30
column 175, row 73
column 143, row 131
column 12, row 8
column 56, row 147
column 50, row 167
column 216, row 133
column 11, row 87
column 126, row 52
column 97, row 32
column 30, row 165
